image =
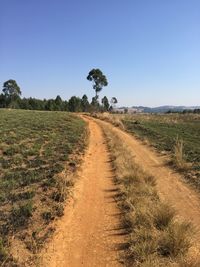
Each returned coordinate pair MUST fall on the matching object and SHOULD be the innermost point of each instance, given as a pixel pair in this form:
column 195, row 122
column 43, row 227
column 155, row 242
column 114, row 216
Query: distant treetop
column 11, row 89
column 99, row 80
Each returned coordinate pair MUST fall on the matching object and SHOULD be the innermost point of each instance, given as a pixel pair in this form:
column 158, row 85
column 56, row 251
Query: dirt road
column 89, row 233
column 170, row 185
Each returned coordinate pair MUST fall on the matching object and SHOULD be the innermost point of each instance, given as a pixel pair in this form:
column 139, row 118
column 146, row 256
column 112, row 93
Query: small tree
column 12, row 93
column 99, row 80
column 58, row 102
column 74, row 104
column 113, row 101
column 105, row 103
column 50, row 105
column 85, row 103
column 126, row 110
column 3, row 103
column 94, row 106
column 11, row 89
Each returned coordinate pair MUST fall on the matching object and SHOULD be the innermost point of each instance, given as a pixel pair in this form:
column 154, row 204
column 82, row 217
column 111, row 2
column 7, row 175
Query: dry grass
column 178, row 158
column 155, row 238
column 163, row 216
column 189, row 263
column 175, row 240
column 112, row 118
column 160, row 131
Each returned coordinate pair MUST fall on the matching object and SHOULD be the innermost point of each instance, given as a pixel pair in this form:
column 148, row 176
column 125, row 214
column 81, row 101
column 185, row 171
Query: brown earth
column 89, row 234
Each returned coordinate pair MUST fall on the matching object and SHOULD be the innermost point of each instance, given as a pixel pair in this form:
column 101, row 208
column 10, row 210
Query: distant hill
column 161, row 109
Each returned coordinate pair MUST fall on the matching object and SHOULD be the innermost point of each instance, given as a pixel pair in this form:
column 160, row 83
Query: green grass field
column 163, row 130
column 38, row 151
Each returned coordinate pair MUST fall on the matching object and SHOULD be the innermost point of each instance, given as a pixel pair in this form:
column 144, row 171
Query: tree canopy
column 114, row 100
column 99, row 80
column 105, row 103
column 11, row 89
column 85, row 103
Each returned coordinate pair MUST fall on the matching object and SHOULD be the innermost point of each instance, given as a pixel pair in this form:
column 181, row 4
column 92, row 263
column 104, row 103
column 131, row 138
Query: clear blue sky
column 148, row 49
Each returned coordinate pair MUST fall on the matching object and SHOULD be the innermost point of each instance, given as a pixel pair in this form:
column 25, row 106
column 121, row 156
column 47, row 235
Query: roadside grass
column 178, row 156
column 177, row 135
column 155, row 237
column 36, row 153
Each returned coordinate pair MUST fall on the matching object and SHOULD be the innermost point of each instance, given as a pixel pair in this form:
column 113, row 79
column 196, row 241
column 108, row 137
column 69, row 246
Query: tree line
column 11, row 98
column 185, row 111
column 194, row 111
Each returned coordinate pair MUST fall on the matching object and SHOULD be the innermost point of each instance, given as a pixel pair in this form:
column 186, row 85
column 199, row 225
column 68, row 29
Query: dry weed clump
column 155, row 237
column 179, row 155
column 175, row 240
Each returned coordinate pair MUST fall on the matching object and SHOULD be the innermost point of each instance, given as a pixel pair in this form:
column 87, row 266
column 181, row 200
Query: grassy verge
column 155, row 237
column 176, row 135
column 39, row 152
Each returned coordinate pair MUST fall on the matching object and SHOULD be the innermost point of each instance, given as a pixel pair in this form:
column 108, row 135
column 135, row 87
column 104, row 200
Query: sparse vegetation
column 36, row 151
column 156, row 238
column 179, row 155
column 21, row 214
column 175, row 240
column 163, row 216
column 176, row 135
